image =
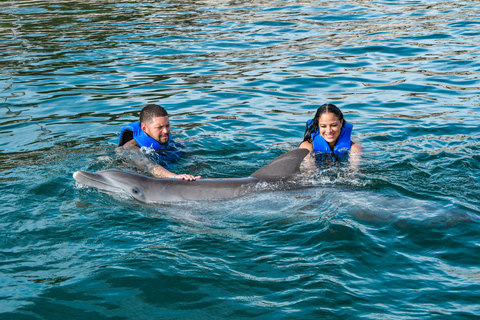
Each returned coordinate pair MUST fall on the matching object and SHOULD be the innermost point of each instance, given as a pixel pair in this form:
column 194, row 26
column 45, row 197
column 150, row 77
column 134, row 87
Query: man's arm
column 156, row 170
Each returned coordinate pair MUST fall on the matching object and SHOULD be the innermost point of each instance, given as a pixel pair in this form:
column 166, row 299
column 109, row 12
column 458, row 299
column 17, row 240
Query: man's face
column 158, row 128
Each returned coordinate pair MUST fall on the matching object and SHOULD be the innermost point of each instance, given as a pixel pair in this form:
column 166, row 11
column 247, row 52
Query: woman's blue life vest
column 163, row 154
column 343, row 145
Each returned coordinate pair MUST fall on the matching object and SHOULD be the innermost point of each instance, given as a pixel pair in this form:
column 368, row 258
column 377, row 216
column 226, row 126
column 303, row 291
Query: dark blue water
column 398, row 240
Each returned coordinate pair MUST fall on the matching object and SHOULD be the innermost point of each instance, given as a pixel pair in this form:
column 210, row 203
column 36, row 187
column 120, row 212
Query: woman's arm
column 308, row 161
column 355, row 156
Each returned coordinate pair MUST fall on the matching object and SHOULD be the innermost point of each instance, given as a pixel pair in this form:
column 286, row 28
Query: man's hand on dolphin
column 187, row 177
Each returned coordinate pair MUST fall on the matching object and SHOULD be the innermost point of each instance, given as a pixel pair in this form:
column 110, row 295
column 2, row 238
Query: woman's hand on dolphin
column 187, row 177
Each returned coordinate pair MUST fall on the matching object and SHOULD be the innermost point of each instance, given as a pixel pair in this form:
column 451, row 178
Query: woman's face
column 330, row 127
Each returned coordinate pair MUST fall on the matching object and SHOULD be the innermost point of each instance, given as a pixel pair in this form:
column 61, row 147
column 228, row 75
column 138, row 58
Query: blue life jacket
column 134, row 131
column 344, row 141
column 162, row 154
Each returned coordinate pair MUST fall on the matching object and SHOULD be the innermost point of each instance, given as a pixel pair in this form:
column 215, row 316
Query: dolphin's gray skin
column 150, row 190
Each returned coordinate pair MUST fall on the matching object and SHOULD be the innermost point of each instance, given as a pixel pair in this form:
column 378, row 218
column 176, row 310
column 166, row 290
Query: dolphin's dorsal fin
column 285, row 165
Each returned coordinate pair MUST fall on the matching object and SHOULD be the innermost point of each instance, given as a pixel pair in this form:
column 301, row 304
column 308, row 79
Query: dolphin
column 151, row 190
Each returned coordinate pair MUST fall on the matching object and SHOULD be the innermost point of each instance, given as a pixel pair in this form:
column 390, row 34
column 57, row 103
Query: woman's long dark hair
column 326, row 108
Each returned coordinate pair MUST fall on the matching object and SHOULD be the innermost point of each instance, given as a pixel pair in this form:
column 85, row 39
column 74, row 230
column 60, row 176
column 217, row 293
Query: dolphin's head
column 114, row 181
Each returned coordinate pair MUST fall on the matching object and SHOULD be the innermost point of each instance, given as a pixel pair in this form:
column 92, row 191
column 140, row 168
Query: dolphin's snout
column 86, row 178
column 80, row 176
column 76, row 175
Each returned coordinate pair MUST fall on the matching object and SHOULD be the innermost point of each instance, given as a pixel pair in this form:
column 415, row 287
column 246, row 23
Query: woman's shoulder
column 356, row 147
column 306, row 145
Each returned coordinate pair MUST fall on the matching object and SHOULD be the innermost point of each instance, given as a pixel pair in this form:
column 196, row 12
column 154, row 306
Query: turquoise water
column 399, row 240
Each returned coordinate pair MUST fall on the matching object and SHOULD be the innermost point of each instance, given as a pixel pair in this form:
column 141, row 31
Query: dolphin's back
column 288, row 164
column 202, row 189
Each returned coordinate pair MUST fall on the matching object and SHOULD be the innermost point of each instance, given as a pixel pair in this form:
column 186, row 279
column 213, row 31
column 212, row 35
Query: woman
column 329, row 133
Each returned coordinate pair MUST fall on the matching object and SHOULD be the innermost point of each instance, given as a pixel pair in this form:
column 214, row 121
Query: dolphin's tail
column 285, row 165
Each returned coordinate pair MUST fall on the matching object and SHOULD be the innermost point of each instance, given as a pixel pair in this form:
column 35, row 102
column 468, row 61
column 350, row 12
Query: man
column 152, row 131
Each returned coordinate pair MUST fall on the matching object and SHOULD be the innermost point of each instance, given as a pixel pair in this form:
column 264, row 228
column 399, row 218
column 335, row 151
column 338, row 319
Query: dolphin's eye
column 135, row 190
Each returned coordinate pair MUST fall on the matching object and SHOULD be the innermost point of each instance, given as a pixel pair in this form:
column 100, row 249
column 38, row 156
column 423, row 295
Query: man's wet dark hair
column 326, row 108
column 152, row 111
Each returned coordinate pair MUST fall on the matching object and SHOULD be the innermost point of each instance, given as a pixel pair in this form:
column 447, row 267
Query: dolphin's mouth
column 93, row 180
column 82, row 176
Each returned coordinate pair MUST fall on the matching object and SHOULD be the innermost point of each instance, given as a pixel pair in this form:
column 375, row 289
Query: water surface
column 240, row 79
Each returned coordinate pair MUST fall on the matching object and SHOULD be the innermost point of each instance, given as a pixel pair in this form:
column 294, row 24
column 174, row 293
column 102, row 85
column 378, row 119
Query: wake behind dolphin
column 151, row 190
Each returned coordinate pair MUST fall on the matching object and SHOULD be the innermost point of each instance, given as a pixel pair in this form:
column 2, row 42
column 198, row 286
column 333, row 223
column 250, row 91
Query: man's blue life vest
column 162, row 154
column 134, row 131
column 344, row 141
